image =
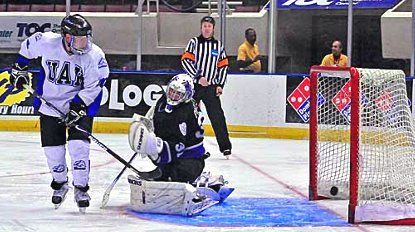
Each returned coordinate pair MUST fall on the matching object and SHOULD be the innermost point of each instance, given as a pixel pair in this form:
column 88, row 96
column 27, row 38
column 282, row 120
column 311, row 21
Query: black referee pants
column 214, row 110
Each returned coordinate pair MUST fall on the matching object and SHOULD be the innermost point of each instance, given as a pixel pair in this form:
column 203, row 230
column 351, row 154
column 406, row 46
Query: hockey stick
column 145, row 175
column 106, row 196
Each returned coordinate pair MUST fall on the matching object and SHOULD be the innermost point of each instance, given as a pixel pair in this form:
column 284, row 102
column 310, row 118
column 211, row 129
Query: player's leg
column 78, row 146
column 166, row 172
column 200, row 91
column 182, row 170
column 217, row 118
column 186, row 170
column 53, row 139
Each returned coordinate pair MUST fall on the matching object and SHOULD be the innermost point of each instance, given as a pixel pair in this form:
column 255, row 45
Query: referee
column 205, row 60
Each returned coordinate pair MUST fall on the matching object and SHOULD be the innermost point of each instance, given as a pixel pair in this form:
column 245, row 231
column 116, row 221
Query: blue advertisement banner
column 335, row 4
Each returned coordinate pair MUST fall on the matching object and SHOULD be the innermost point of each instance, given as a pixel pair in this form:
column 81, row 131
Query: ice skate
column 82, row 199
column 227, row 153
column 59, row 195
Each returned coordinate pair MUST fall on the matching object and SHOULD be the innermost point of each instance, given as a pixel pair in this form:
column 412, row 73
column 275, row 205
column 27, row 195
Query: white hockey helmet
column 179, row 89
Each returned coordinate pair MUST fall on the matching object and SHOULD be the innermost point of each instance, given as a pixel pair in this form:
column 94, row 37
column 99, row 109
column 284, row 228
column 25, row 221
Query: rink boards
column 257, row 106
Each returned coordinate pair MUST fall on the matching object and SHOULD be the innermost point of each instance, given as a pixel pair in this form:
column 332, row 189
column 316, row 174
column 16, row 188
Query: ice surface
column 270, row 177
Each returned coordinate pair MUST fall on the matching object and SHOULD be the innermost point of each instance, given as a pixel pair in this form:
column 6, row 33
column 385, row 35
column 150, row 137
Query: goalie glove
column 143, row 141
column 19, row 76
column 146, row 121
column 76, row 112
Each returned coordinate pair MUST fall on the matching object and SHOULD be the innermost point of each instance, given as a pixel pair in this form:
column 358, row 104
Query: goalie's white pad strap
column 166, row 197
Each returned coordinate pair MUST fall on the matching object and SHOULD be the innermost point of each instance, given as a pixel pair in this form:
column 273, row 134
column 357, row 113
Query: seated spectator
column 248, row 53
column 336, row 58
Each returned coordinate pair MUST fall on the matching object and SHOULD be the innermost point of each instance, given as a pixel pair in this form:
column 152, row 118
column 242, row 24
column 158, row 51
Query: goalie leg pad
column 166, row 197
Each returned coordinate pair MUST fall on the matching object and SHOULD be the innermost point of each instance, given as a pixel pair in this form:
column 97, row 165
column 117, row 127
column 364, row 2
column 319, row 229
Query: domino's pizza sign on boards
column 342, row 101
column 299, row 99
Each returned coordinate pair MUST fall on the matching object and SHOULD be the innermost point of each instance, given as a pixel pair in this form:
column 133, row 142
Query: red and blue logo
column 343, row 99
column 299, row 99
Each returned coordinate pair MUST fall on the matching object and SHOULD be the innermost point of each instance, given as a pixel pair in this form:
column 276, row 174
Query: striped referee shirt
column 206, row 58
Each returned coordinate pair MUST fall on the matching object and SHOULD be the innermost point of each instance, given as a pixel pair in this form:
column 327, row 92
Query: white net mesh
column 386, row 148
column 333, row 139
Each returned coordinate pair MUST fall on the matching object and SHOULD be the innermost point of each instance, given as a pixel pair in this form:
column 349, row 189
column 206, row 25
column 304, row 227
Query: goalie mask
column 77, row 34
column 179, row 89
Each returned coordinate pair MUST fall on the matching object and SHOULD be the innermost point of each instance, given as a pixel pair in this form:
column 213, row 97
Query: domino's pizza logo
column 300, row 100
column 342, row 101
column 384, row 101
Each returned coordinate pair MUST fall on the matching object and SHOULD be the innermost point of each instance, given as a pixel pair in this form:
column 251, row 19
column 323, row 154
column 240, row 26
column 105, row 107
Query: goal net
column 362, row 144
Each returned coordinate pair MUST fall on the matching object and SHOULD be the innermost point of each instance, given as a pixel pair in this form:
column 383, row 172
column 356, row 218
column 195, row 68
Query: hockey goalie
column 173, row 139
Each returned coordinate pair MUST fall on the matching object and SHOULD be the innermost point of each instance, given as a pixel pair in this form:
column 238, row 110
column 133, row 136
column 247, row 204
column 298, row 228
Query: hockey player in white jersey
column 72, row 76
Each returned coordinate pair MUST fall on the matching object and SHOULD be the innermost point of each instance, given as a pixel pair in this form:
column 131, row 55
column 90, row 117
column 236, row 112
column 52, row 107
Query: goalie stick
column 106, row 196
column 145, row 175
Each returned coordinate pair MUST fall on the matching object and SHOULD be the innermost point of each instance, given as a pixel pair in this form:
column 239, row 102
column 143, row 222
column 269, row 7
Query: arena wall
column 254, row 105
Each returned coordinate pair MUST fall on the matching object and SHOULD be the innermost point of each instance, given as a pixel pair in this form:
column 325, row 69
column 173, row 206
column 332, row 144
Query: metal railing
column 217, row 3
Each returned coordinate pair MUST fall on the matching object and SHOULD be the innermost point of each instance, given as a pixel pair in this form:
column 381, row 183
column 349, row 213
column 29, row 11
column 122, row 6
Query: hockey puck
column 334, row 190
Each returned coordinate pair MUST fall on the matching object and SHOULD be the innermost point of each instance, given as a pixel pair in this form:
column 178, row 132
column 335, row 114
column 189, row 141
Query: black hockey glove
column 19, row 76
column 76, row 112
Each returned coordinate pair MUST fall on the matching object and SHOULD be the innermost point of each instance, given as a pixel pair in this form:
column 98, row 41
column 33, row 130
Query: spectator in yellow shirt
column 248, row 53
column 336, row 58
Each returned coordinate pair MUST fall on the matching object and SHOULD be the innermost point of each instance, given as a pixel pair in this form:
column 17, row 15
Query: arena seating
column 92, row 6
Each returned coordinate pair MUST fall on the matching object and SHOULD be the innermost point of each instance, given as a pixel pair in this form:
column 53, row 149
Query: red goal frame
column 315, row 71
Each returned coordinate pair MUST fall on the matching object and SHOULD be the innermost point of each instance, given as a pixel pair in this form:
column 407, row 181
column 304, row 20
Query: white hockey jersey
column 64, row 77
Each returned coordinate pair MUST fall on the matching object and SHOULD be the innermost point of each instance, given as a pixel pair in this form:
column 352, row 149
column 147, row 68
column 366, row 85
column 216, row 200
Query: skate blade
column 82, row 210
column 227, row 157
column 59, row 204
